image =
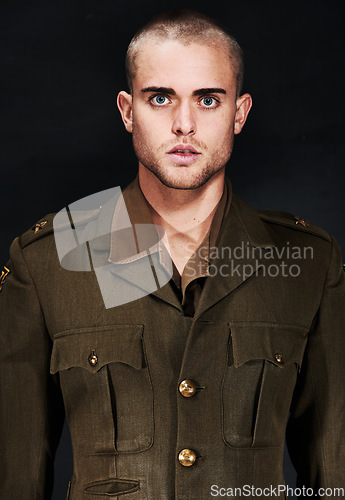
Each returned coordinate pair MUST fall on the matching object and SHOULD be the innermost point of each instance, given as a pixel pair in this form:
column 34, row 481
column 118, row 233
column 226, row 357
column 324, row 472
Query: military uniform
column 167, row 405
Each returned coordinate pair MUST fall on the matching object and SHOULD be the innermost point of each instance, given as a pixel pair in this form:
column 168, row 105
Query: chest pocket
column 107, row 388
column 263, row 363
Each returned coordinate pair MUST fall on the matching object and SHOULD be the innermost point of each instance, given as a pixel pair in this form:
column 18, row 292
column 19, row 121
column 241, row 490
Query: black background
column 62, row 138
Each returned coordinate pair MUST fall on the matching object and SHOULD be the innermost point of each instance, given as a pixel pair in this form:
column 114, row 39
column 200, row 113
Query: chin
column 176, row 181
column 183, row 186
column 182, row 178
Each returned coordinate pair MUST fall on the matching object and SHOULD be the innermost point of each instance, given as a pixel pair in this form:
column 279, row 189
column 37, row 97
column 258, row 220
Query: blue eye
column 159, row 100
column 209, row 102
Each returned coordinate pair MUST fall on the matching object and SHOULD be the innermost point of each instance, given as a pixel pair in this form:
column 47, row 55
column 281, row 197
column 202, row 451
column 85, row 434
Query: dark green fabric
column 256, row 348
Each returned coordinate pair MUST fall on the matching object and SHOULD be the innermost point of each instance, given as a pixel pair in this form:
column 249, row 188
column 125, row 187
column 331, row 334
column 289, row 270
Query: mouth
column 183, row 154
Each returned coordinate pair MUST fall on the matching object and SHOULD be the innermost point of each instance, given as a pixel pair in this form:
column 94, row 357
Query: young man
column 177, row 358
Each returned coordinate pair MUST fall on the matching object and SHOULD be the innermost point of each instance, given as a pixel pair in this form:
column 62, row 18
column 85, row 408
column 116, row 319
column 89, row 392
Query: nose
column 183, row 121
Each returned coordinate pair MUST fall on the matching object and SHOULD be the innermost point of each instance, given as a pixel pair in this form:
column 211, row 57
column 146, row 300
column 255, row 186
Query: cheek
column 219, row 130
column 228, row 125
column 149, row 126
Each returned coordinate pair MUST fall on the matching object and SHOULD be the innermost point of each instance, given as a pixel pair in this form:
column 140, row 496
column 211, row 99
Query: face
column 183, row 112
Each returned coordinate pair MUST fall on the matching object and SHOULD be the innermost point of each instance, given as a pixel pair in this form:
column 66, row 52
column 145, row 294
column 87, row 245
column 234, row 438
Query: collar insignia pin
column 39, row 226
column 301, row 221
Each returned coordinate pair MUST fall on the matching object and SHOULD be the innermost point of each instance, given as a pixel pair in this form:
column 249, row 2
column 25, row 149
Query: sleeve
column 316, row 428
column 31, row 408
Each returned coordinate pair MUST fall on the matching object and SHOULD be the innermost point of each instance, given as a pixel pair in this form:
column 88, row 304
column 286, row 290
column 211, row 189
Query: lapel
column 238, row 255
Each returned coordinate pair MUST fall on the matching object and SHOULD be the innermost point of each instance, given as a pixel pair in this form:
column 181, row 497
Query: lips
column 183, row 154
column 183, row 149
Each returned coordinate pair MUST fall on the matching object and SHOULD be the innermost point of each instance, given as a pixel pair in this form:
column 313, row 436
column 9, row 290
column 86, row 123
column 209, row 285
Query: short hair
column 186, row 26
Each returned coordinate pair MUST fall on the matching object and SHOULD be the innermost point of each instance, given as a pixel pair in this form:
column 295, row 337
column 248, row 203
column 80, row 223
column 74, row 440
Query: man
column 182, row 389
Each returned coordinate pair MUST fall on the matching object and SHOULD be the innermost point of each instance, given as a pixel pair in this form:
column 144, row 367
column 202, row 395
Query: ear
column 243, row 105
column 124, row 103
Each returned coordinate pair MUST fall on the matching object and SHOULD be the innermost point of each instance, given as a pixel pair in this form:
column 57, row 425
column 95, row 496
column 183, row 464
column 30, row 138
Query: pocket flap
column 280, row 344
column 112, row 487
column 92, row 348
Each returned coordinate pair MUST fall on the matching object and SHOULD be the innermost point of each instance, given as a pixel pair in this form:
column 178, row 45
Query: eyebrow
column 160, row 90
column 198, row 92
column 212, row 90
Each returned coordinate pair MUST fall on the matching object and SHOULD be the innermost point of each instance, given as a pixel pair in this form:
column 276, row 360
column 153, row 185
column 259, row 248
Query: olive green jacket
column 266, row 340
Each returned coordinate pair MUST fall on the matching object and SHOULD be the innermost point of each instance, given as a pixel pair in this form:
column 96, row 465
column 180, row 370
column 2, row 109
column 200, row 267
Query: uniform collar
column 135, row 206
column 241, row 226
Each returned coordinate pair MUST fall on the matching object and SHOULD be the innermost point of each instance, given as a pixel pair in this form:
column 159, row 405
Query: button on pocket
column 93, row 359
column 258, row 384
column 106, row 384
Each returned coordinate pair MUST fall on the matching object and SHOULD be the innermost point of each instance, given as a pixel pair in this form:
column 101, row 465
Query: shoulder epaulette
column 45, row 225
column 294, row 222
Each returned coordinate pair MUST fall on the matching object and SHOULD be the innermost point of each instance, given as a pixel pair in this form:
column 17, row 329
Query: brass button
column 186, row 457
column 279, row 358
column 187, row 388
column 93, row 359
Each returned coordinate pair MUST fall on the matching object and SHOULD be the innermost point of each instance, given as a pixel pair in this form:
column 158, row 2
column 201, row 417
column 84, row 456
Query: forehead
column 184, row 68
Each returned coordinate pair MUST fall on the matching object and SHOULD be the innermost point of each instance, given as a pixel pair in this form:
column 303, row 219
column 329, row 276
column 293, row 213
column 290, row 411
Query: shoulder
column 285, row 226
column 292, row 221
column 279, row 225
column 75, row 216
column 46, row 226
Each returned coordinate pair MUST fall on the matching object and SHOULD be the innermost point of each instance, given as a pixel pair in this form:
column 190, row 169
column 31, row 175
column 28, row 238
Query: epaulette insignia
column 42, row 228
column 39, row 226
column 293, row 221
column 3, row 275
column 301, row 221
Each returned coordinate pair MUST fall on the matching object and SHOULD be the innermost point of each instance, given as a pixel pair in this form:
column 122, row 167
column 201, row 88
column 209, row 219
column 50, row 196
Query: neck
column 185, row 215
column 181, row 208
